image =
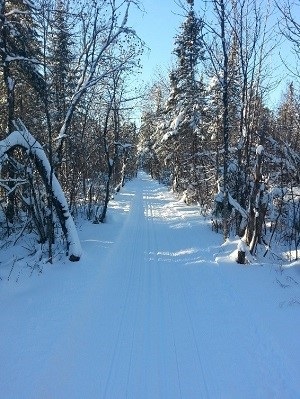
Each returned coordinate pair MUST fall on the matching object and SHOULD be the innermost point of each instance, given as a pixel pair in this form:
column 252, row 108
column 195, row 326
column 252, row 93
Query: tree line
column 209, row 133
column 67, row 138
column 68, row 141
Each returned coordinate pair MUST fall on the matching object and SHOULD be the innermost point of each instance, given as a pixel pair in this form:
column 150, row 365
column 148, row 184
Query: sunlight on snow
column 182, row 252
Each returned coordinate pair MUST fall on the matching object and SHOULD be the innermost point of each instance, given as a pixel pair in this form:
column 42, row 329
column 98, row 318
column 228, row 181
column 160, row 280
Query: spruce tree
column 60, row 62
column 20, row 52
column 185, row 106
column 288, row 120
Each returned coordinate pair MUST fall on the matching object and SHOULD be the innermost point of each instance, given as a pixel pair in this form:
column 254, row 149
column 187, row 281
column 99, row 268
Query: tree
column 238, row 46
column 21, row 138
column 290, row 28
column 103, row 30
column 288, row 120
column 73, row 63
column 19, row 49
column 60, row 62
column 218, row 52
column 20, row 52
column 185, row 106
column 151, row 154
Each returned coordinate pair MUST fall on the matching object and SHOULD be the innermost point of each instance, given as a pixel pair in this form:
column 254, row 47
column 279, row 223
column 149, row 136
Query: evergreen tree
column 153, row 118
column 20, row 54
column 60, row 62
column 288, row 120
column 185, row 106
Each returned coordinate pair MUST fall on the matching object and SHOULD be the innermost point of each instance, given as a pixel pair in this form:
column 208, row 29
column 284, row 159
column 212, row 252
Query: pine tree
column 185, row 106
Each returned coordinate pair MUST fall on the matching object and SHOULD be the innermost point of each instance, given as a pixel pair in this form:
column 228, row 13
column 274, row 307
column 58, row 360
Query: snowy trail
column 152, row 316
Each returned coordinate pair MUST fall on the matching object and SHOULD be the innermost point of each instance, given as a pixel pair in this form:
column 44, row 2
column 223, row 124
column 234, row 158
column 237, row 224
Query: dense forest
column 69, row 137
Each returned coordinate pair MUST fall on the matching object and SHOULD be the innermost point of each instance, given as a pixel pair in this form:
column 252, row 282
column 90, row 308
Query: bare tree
column 238, row 44
column 102, row 25
column 218, row 48
column 290, row 28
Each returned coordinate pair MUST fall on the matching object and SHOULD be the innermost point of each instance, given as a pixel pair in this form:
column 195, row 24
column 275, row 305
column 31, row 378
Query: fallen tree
column 22, row 139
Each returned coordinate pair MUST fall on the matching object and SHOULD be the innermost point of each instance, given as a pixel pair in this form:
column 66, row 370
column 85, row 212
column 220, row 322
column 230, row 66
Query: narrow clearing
column 154, row 310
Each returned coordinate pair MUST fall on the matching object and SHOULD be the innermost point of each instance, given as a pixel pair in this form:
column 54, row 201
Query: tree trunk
column 257, row 206
column 225, row 118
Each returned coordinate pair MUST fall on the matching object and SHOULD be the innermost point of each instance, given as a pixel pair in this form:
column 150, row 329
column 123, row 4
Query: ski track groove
column 133, row 279
column 152, row 283
column 138, row 235
column 158, row 267
column 188, row 306
column 203, row 388
column 207, row 395
column 174, row 345
column 179, row 281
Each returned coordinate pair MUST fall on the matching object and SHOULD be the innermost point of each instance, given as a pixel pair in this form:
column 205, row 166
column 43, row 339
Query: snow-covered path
column 150, row 313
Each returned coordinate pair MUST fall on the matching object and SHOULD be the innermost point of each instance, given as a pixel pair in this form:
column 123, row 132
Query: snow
column 237, row 206
column 11, row 83
column 176, row 122
column 156, row 308
column 242, row 246
column 259, row 149
column 174, row 126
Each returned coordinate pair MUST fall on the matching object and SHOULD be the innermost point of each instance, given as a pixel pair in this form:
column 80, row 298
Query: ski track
column 157, row 322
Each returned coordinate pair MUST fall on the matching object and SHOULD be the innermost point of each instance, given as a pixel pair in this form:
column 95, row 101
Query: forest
column 70, row 137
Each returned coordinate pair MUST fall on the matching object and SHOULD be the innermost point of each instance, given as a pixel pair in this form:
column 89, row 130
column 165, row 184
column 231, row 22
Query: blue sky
column 157, row 28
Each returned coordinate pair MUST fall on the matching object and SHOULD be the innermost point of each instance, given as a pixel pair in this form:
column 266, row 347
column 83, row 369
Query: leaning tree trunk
column 23, row 139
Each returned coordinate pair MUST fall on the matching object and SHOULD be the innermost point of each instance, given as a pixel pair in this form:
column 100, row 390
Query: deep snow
column 156, row 308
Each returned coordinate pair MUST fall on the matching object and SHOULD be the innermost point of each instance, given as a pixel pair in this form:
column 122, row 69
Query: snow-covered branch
column 23, row 139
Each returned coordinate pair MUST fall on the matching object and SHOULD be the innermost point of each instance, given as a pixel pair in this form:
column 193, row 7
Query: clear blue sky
column 156, row 27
